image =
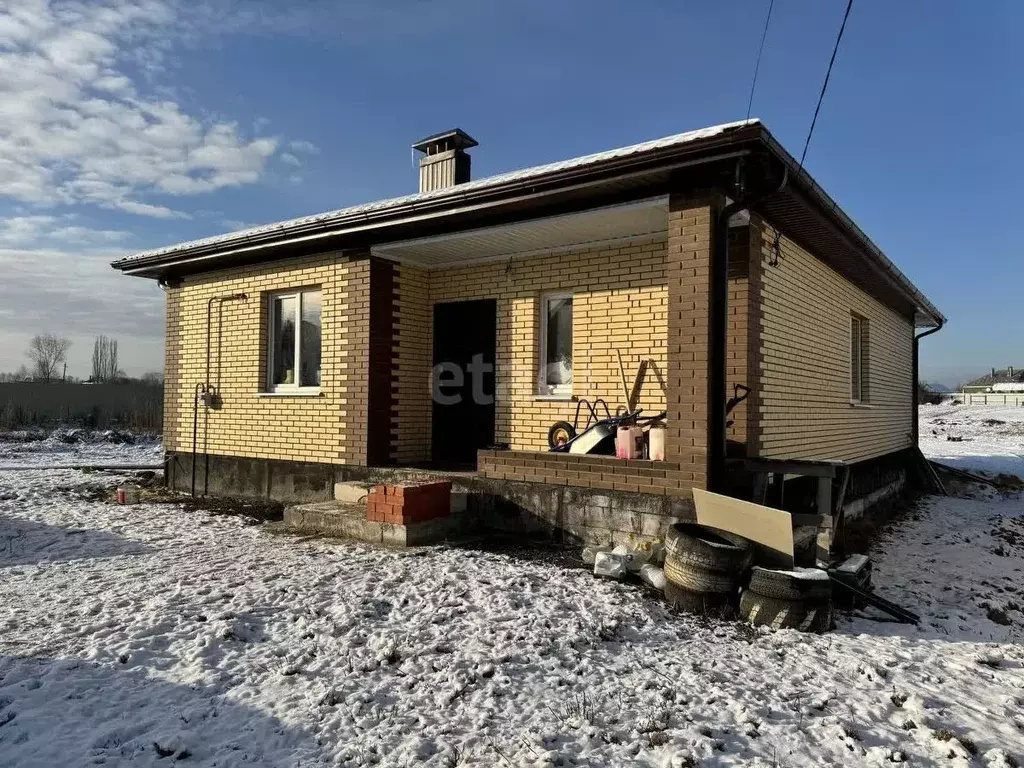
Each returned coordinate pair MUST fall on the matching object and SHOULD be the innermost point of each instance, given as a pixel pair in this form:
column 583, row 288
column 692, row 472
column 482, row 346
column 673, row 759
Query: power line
column 824, row 85
column 757, row 64
column 776, row 252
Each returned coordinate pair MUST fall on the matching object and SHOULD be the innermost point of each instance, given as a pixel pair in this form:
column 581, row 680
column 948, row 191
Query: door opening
column 463, row 381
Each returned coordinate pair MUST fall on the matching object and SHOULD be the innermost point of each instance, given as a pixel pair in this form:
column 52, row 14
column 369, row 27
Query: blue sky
column 134, row 124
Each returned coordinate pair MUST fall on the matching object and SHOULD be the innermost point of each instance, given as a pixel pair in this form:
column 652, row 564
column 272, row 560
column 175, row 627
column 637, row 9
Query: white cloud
column 77, row 127
column 290, row 159
column 40, row 230
column 304, row 146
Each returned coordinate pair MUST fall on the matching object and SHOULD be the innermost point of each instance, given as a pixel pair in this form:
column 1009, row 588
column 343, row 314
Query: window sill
column 296, row 393
column 856, row 404
column 555, row 398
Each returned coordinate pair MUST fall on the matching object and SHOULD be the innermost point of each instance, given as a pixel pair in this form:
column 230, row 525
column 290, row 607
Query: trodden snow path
column 139, row 635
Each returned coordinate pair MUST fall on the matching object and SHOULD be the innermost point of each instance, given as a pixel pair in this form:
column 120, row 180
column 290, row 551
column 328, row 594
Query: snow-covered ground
column 77, row 447
column 143, row 634
column 980, row 437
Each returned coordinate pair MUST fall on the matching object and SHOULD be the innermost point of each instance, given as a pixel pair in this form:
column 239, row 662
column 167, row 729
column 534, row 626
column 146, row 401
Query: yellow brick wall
column 619, row 302
column 315, row 429
column 805, row 409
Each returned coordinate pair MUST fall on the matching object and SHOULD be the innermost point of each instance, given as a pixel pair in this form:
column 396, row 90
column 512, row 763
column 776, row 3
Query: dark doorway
column 465, row 334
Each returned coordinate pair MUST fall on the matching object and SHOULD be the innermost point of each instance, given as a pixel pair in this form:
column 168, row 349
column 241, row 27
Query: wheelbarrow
column 599, row 438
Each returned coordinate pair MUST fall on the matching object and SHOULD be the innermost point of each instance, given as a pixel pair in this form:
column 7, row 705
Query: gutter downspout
column 916, row 416
column 718, row 332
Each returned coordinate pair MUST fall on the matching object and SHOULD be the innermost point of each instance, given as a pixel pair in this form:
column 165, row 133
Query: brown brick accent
column 405, row 504
column 381, row 362
column 690, row 222
column 600, row 472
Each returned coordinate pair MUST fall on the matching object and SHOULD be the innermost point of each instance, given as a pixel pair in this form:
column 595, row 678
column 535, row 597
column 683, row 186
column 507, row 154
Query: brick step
column 406, row 503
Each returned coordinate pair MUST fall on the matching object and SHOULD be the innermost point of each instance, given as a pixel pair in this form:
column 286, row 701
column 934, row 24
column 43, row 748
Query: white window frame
column 543, row 387
column 295, row 388
column 858, row 372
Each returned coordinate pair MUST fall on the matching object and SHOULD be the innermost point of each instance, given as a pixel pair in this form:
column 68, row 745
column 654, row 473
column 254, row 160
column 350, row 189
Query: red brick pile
column 405, row 504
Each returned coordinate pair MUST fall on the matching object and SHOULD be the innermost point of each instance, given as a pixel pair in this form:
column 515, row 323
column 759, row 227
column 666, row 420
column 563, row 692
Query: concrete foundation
column 481, row 505
column 562, row 513
column 335, row 518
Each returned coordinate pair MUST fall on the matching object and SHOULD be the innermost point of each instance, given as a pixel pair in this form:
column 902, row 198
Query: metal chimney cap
column 456, row 138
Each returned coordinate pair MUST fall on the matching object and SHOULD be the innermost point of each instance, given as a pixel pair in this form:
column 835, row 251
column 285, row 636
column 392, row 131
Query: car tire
column 708, row 548
column 715, row 604
column 687, row 576
column 776, row 613
column 805, row 584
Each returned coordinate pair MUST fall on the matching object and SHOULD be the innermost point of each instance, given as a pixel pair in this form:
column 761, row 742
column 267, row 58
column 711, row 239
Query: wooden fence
column 990, row 398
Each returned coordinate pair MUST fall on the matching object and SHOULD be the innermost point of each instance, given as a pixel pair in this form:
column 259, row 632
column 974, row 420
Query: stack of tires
column 704, row 568
column 798, row 599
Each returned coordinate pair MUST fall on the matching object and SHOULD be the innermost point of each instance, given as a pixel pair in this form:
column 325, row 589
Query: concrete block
column 574, row 517
column 349, row 521
column 460, row 501
column 652, row 505
column 350, row 492
column 626, row 520
column 655, row 525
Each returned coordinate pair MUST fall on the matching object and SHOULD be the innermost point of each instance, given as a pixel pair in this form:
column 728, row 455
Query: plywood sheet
column 771, row 528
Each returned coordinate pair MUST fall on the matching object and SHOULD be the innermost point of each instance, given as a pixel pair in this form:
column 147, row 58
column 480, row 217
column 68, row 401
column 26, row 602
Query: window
column 555, row 344
column 858, row 359
column 294, row 331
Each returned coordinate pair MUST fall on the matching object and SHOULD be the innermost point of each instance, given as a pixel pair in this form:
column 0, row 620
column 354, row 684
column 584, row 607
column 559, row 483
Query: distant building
column 1010, row 379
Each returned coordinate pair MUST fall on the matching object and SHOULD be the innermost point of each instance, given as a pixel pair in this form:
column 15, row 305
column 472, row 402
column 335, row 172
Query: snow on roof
column 502, row 178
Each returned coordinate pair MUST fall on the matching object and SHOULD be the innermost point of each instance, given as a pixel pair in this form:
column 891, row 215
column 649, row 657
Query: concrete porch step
column 352, row 491
column 348, row 520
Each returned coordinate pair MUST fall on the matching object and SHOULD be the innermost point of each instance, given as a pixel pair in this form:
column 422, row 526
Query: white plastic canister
column 656, row 442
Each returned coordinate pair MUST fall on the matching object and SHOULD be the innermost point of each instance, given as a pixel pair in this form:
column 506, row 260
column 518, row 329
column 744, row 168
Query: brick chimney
column 444, row 162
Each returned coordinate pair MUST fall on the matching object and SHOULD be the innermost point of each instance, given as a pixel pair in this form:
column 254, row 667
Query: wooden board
column 771, row 528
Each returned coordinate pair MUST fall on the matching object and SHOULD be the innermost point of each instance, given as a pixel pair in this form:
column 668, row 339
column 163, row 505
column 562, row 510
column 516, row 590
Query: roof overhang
column 554, row 200
column 620, row 224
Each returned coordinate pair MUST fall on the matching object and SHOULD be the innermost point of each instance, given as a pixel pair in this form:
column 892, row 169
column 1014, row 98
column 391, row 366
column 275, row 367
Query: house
column 452, row 327
column 1010, row 379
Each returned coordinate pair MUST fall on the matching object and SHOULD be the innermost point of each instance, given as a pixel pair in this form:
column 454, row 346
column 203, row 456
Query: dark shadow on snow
column 25, row 542
column 72, row 712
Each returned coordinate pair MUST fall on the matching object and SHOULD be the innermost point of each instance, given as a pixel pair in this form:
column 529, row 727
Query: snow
column 978, row 437
column 149, row 635
column 63, row 448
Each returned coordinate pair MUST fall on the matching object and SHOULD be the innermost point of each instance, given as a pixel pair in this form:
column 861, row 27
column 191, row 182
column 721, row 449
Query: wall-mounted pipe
column 195, row 432
column 915, row 418
column 718, row 328
column 203, row 388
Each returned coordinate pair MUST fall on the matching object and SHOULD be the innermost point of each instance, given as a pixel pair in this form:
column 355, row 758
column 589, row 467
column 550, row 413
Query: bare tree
column 22, row 374
column 48, row 353
column 153, row 378
column 104, row 359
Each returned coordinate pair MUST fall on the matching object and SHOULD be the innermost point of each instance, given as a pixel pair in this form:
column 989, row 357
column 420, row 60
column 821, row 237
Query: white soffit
column 644, row 219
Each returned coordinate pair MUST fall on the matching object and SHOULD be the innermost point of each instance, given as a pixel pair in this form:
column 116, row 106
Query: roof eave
column 931, row 316
column 708, row 150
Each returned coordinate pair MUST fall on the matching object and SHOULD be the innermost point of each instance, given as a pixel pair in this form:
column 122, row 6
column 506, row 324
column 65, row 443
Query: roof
column 624, row 170
column 1011, row 375
column 457, row 190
